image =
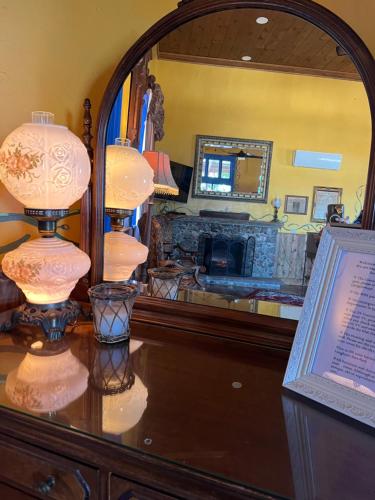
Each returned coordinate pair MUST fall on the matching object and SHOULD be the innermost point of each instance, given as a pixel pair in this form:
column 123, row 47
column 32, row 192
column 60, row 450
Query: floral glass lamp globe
column 47, row 168
column 129, row 180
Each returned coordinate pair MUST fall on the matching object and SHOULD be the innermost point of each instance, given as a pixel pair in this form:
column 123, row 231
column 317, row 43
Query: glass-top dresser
column 171, row 414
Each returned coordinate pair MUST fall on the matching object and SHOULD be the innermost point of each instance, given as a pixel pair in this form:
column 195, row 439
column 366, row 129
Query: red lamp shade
column 164, row 182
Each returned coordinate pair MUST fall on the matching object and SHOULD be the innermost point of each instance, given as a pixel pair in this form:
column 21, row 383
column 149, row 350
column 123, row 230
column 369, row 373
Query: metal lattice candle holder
column 112, row 372
column 164, row 282
column 112, row 306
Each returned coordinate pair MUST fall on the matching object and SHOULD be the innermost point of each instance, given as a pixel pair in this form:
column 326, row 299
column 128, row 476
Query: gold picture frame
column 322, row 197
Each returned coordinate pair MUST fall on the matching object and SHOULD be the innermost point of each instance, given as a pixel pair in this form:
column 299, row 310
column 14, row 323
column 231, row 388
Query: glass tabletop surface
column 200, row 401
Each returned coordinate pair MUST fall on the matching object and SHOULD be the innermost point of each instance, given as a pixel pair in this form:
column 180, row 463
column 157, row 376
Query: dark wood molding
column 260, row 66
column 183, row 2
column 257, row 329
column 329, row 22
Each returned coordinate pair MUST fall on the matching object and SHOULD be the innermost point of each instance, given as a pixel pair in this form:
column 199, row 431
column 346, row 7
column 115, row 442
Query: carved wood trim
column 156, row 110
column 155, row 121
column 87, row 126
column 85, row 226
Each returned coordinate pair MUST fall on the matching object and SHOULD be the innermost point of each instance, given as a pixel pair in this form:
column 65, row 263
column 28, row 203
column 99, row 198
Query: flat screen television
column 182, row 175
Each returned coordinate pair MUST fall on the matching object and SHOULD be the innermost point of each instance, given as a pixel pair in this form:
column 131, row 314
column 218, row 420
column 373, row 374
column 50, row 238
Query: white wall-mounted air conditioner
column 314, row 159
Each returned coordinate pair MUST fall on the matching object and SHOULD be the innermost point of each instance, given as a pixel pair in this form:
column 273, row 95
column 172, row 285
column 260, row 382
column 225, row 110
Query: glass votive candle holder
column 112, row 306
column 164, row 282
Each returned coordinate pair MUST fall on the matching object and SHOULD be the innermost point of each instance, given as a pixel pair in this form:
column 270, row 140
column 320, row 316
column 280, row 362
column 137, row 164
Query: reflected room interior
column 262, row 150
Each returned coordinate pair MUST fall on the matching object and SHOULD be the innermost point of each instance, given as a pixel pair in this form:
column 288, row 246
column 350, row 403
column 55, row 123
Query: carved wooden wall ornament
column 156, row 110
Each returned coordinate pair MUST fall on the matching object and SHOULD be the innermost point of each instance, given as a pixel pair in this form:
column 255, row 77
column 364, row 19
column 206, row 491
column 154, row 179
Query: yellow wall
column 55, row 53
column 293, row 111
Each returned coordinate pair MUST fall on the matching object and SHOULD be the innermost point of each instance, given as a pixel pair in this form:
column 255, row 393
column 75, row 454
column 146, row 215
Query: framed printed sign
column 333, row 355
column 322, row 197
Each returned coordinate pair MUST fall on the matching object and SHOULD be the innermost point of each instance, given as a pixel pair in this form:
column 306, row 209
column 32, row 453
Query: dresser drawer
column 45, row 474
column 122, row 489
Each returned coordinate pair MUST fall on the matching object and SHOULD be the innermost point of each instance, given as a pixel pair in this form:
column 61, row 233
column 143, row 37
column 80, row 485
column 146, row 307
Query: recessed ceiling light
column 262, row 20
column 246, row 58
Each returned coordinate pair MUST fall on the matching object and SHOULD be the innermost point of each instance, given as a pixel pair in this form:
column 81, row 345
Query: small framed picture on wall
column 296, row 204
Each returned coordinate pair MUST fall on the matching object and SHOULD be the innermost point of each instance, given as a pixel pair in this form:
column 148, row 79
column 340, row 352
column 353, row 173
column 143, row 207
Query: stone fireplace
column 258, row 260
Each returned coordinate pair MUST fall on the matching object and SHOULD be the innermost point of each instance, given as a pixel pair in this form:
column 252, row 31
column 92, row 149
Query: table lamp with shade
column 164, row 184
column 163, row 179
column 46, row 168
column 129, row 182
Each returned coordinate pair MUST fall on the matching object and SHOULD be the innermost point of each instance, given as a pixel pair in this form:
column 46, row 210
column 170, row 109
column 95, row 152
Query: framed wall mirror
column 231, row 169
column 243, row 257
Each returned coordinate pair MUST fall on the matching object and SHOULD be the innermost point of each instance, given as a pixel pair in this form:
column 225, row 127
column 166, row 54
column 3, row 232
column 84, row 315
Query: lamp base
column 52, row 318
column 47, row 219
column 118, row 216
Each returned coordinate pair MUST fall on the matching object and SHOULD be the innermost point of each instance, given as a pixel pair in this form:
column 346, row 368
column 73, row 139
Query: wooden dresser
column 173, row 415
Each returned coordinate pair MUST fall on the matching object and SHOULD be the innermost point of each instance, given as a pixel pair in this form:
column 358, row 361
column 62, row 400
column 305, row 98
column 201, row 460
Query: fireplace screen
column 224, row 256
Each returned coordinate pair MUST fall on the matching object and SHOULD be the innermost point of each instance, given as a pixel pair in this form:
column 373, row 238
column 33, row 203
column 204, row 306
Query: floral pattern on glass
column 22, row 271
column 15, row 162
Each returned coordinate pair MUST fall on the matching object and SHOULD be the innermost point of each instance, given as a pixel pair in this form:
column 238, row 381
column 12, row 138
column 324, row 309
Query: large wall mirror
column 249, row 96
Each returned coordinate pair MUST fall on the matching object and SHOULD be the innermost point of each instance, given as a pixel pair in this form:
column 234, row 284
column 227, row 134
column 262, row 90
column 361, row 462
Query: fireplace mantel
column 187, row 229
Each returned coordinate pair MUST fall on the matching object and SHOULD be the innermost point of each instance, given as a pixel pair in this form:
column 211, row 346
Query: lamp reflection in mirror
column 129, row 178
column 122, row 254
column 163, row 178
column 47, row 168
column 129, row 182
column 44, row 384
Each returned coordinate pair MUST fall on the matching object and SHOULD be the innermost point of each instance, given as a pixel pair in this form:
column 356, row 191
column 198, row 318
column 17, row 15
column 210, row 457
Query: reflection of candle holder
column 164, row 282
column 112, row 372
column 112, row 306
column 124, row 397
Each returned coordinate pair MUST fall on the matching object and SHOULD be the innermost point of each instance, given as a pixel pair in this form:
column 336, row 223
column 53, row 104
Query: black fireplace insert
column 225, row 256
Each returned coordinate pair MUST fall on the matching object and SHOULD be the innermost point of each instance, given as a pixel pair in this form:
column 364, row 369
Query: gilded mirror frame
column 261, row 147
column 188, row 315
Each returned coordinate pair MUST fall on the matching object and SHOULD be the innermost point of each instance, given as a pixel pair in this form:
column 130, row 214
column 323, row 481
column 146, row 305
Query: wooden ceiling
column 286, row 43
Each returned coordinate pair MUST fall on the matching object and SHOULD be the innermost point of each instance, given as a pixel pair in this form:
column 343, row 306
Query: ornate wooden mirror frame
column 264, row 329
